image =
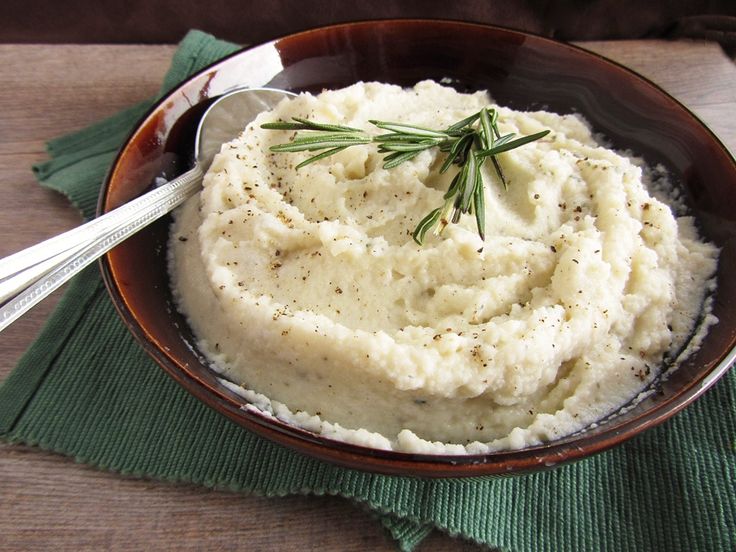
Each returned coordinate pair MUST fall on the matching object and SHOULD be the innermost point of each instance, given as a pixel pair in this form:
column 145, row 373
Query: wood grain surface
column 49, row 501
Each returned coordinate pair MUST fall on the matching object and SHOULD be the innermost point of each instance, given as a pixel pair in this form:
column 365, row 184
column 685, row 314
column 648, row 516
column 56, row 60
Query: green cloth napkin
column 87, row 390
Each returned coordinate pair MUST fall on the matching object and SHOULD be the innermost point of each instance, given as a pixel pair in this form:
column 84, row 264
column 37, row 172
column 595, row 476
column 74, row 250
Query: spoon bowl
column 34, row 273
column 226, row 118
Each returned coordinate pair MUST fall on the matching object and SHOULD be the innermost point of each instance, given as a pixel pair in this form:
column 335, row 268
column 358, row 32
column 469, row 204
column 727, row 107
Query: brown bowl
column 521, row 71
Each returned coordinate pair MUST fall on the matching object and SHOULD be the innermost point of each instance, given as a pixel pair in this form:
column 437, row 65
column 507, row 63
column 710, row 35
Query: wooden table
column 49, row 501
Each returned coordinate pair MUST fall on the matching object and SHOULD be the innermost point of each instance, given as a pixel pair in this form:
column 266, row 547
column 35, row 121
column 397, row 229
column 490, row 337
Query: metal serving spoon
column 32, row 274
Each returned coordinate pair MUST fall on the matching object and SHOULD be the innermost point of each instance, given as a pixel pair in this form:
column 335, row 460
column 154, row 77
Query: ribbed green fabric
column 85, row 389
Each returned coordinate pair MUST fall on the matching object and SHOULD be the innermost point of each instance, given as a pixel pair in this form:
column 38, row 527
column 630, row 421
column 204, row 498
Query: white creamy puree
column 305, row 287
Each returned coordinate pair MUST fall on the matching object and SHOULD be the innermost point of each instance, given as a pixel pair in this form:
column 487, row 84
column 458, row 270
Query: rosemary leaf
column 499, row 173
column 479, row 206
column 319, row 156
column 452, row 190
column 425, row 224
column 485, row 123
column 313, row 125
column 283, row 125
column 463, row 123
column 406, row 146
column 512, row 144
column 397, row 158
column 494, row 123
column 321, row 141
column 398, row 137
column 470, row 182
column 409, row 129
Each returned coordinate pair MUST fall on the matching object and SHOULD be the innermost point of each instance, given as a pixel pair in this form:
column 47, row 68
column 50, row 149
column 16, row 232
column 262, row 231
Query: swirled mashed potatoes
column 306, row 289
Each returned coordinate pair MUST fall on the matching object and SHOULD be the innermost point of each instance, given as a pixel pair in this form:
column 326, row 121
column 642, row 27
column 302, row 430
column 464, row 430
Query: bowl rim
column 552, row 453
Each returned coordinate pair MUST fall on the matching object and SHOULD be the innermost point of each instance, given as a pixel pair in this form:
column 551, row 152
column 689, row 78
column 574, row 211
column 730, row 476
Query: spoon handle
column 32, row 274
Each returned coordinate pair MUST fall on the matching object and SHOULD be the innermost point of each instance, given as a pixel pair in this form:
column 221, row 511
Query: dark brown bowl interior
column 519, row 70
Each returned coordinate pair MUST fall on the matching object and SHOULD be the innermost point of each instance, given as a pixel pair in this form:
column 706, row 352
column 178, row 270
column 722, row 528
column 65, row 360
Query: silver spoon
column 32, row 274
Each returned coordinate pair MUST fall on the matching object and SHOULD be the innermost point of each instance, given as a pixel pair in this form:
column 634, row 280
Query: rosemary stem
column 467, row 144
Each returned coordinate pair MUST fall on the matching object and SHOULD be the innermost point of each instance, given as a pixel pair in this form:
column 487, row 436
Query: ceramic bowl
column 519, row 70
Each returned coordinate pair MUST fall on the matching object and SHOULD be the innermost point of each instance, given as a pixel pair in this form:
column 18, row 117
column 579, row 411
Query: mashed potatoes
column 306, row 289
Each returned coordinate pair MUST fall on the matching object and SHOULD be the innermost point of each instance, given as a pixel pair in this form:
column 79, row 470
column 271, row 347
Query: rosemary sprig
column 467, row 144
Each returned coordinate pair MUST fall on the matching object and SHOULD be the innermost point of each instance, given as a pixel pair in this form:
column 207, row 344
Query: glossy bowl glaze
column 521, row 71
